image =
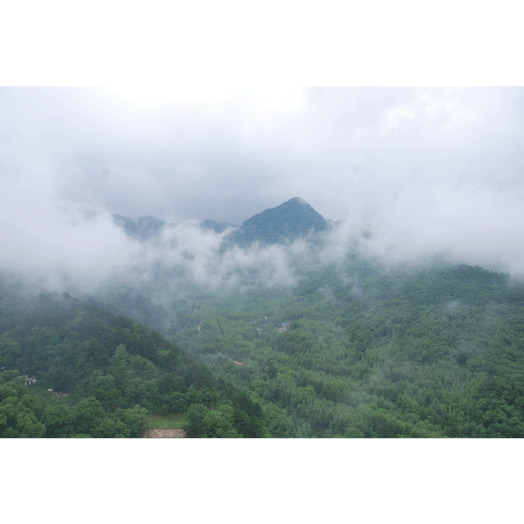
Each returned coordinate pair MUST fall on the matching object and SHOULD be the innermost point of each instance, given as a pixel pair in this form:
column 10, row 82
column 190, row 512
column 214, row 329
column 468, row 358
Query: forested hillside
column 370, row 353
column 98, row 375
column 351, row 351
column 286, row 222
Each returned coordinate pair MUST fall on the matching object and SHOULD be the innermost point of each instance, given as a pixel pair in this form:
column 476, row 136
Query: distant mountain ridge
column 293, row 219
column 142, row 228
column 217, row 227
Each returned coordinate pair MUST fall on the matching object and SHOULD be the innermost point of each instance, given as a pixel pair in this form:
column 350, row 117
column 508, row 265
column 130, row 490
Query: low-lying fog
column 414, row 173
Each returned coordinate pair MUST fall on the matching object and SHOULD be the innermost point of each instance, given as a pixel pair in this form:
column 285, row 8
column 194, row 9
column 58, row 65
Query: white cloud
column 426, row 171
column 395, row 118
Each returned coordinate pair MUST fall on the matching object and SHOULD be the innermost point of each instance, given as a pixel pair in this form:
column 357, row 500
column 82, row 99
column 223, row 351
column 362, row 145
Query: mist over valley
column 335, row 263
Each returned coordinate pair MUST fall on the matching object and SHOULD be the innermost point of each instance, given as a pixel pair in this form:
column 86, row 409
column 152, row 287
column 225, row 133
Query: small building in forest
column 283, row 327
column 28, row 380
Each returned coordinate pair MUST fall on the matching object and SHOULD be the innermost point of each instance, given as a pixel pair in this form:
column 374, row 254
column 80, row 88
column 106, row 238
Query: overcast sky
column 427, row 171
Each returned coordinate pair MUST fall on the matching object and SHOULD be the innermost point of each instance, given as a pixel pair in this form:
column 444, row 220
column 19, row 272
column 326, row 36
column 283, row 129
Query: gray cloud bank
column 426, row 172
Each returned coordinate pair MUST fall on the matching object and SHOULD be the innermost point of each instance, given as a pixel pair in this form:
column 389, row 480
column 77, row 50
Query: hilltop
column 288, row 221
column 217, row 227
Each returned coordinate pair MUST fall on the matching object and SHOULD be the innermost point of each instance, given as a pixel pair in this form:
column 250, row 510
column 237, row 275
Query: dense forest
column 98, row 375
column 352, row 351
column 368, row 352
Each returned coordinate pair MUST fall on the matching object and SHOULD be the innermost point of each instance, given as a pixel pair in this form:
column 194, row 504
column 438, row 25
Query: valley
column 355, row 349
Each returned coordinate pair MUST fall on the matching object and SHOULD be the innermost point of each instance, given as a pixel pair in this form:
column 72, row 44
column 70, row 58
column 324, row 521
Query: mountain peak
column 292, row 219
column 299, row 200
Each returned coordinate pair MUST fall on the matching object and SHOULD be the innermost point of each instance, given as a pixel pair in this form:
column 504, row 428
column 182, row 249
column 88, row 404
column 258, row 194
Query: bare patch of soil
column 164, row 433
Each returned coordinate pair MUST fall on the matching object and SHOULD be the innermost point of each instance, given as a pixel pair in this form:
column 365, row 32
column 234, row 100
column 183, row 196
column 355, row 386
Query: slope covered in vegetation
column 106, row 373
column 372, row 354
column 352, row 351
column 286, row 222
